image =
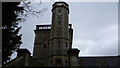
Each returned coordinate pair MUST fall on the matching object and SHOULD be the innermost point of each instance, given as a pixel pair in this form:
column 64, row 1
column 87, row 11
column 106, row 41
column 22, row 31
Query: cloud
column 95, row 28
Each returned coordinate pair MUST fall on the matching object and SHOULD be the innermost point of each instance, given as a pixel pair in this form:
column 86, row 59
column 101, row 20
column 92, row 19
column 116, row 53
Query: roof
column 99, row 60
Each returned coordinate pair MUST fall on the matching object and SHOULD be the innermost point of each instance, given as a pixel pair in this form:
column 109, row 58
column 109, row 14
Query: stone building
column 54, row 42
column 53, row 45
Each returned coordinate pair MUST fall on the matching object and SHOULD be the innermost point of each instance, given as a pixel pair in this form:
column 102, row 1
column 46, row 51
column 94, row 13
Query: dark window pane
column 65, row 44
column 44, row 45
column 59, row 11
column 58, row 43
column 59, row 22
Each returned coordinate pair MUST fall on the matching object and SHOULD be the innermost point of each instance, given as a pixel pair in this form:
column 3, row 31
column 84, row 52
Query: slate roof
column 99, row 61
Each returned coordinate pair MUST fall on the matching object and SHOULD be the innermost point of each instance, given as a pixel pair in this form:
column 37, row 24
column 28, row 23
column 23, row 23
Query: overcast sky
column 95, row 27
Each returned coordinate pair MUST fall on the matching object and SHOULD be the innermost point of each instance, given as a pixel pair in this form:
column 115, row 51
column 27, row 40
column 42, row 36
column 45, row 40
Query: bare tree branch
column 28, row 9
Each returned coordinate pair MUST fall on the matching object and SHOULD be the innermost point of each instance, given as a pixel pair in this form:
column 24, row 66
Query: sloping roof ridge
column 13, row 61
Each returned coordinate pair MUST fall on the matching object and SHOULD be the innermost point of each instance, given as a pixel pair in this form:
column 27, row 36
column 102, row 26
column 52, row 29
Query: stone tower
column 53, row 43
column 59, row 40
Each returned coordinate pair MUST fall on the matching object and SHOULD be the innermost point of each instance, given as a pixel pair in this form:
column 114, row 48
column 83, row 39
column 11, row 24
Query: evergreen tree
column 11, row 39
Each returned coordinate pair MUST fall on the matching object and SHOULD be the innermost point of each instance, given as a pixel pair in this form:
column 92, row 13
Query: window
column 51, row 62
column 65, row 62
column 59, row 11
column 58, row 43
column 59, row 22
column 66, row 44
column 44, row 45
column 52, row 46
column 59, row 19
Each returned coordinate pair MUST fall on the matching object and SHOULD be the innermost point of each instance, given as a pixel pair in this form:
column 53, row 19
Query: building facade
column 53, row 46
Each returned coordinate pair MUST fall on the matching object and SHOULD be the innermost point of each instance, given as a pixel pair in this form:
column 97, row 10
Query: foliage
column 11, row 40
column 11, row 17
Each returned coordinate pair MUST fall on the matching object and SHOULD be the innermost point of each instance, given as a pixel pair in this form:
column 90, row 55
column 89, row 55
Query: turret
column 60, row 38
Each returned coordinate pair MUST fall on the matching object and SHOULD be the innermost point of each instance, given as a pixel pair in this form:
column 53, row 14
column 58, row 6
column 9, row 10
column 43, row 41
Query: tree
column 11, row 40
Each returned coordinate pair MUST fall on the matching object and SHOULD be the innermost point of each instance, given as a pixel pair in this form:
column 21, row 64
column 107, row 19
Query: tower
column 53, row 43
column 59, row 40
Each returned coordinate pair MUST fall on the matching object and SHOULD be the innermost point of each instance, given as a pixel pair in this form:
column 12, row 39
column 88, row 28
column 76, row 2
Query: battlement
column 61, row 4
column 41, row 27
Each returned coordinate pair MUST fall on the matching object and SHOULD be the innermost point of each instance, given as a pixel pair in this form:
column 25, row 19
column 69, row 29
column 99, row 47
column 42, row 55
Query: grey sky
column 95, row 26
